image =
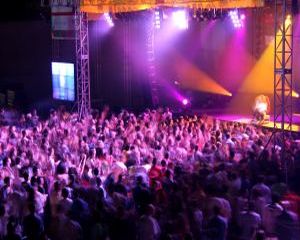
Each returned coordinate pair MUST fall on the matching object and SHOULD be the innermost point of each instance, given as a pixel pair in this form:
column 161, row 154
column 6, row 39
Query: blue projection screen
column 63, row 81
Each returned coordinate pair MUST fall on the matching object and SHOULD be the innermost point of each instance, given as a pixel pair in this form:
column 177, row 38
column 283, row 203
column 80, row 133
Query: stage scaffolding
column 283, row 82
column 151, row 61
column 82, row 62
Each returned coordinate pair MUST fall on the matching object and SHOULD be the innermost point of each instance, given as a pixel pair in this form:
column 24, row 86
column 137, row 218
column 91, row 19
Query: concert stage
column 249, row 120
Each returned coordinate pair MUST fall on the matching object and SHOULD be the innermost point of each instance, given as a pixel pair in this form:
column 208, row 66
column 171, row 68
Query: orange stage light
column 196, row 79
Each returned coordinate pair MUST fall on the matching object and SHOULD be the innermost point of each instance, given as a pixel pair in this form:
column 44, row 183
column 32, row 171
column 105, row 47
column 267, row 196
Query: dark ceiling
column 22, row 10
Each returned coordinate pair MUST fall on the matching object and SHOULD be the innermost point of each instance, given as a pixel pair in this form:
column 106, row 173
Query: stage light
column 237, row 19
column 180, row 19
column 185, row 102
column 295, row 94
column 157, row 20
column 108, row 19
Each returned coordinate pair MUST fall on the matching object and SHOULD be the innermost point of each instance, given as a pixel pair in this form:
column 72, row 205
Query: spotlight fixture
column 108, row 19
column 210, row 14
column 180, row 19
column 237, row 19
column 157, row 19
column 185, row 101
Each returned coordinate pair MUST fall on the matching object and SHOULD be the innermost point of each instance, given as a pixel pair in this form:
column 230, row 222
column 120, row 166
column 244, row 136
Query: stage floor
column 248, row 119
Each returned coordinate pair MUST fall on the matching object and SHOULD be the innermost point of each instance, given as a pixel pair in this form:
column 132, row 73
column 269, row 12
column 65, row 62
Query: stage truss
column 151, row 61
column 283, row 82
column 283, row 64
column 82, row 63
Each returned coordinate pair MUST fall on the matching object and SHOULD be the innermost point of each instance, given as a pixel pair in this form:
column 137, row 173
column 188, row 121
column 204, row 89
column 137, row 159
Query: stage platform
column 248, row 119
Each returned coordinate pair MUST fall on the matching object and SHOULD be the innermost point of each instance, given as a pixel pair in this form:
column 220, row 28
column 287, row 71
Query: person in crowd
column 270, row 214
column 65, row 202
column 287, row 223
column 33, row 224
column 217, row 226
column 249, row 223
column 153, row 175
column 148, row 227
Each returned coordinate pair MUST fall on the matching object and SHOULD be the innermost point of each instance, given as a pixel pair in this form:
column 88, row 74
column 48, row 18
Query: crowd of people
column 147, row 176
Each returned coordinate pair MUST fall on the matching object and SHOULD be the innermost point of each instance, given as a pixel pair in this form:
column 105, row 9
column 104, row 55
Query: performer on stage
column 261, row 108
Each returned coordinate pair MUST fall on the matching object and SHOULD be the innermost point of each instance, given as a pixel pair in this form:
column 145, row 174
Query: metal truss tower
column 82, row 62
column 151, row 61
column 283, row 64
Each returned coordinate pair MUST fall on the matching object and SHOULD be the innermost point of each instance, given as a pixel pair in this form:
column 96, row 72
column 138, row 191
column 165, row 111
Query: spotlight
column 185, row 102
column 237, row 19
column 157, row 20
column 214, row 14
column 195, row 13
column 295, row 94
column 108, row 19
column 176, row 83
column 180, row 19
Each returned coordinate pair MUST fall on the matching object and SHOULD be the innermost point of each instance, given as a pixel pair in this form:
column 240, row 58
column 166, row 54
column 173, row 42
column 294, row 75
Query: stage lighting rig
column 209, row 14
column 180, row 19
column 108, row 19
column 157, row 18
column 237, row 18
